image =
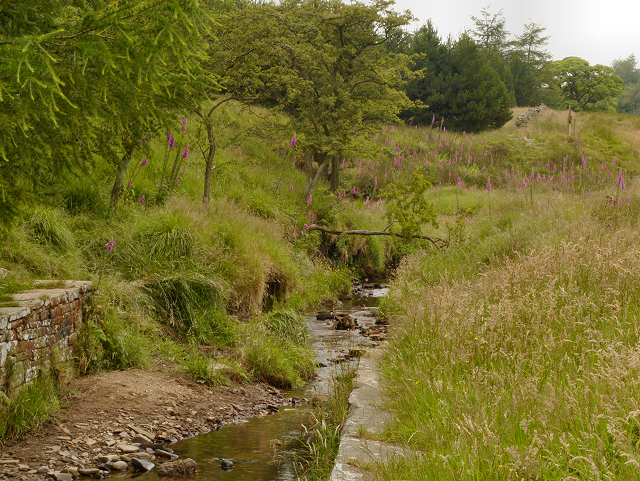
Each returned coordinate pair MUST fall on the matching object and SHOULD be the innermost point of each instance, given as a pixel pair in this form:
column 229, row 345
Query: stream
column 249, row 444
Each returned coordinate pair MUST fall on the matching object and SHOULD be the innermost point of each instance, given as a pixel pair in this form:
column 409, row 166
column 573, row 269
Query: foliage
column 28, row 409
column 336, row 79
column 107, row 341
column 627, row 69
column 410, row 209
column 459, row 84
column 491, row 31
column 81, row 81
column 585, row 86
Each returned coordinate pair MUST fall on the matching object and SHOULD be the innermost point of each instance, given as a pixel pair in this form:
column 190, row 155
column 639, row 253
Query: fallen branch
column 439, row 243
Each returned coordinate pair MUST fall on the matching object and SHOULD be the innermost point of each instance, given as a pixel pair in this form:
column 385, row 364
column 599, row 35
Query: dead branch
column 436, row 241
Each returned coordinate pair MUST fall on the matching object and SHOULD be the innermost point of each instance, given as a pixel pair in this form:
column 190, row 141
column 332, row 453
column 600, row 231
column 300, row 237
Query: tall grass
column 520, row 363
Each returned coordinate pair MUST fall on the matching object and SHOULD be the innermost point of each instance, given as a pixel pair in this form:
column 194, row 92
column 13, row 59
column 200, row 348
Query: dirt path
column 108, row 410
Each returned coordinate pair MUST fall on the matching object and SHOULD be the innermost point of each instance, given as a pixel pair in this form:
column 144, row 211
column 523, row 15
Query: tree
column 478, row 100
column 491, row 32
column 458, row 84
column 81, row 81
column 531, row 44
column 339, row 82
column 432, row 63
column 584, row 86
column 629, row 101
column 627, row 69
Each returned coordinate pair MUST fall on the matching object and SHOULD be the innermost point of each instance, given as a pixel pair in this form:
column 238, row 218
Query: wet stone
column 120, row 466
column 177, row 468
column 226, row 464
column 140, row 464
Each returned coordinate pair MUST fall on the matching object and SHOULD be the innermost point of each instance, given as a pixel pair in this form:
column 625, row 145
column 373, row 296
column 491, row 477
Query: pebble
column 142, row 464
column 226, row 464
column 88, row 471
column 63, row 476
column 120, row 466
column 128, row 448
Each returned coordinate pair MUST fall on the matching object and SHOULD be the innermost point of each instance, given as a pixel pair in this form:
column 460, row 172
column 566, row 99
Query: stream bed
column 250, row 443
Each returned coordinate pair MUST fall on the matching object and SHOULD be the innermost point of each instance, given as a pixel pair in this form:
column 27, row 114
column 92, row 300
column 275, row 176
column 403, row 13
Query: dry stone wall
column 41, row 322
column 529, row 115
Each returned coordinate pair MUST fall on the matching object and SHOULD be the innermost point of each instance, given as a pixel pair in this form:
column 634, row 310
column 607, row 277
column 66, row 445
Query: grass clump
column 323, row 436
column 28, row 408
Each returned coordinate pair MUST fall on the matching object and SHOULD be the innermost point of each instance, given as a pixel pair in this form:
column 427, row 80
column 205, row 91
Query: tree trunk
column 335, row 173
column 121, row 167
column 312, row 180
column 208, row 167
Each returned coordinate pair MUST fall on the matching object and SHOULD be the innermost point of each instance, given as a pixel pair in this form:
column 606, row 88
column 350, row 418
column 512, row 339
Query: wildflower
column 305, row 226
column 172, row 142
column 144, row 162
column 489, row 185
column 353, row 191
column 184, row 126
column 109, row 245
column 176, row 182
column 293, row 141
column 433, row 120
column 142, row 199
column 291, row 188
column 186, row 152
column 309, row 199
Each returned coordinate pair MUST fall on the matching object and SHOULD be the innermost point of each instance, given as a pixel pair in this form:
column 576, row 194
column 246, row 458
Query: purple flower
column 489, row 185
column 186, row 152
column 176, row 182
column 353, row 191
column 142, row 199
column 109, row 245
column 293, row 141
column 144, row 162
column 184, row 126
column 305, row 226
column 309, row 199
column 291, row 188
column 172, row 142
column 433, row 120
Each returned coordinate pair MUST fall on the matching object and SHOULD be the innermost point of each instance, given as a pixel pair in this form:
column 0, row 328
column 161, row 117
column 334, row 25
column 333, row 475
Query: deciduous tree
column 584, row 86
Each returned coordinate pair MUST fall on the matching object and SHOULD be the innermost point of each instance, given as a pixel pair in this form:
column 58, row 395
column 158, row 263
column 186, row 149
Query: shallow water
column 249, row 444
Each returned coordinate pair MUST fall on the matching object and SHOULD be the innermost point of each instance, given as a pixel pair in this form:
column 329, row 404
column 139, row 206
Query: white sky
column 598, row 31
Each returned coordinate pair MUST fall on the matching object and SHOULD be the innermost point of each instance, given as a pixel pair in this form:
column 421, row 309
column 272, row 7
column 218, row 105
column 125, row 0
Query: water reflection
column 249, row 444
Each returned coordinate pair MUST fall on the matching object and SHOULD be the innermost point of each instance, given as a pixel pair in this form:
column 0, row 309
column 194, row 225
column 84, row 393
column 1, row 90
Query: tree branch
column 437, row 242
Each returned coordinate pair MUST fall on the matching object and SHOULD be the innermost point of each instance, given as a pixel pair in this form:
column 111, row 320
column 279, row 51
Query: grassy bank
column 514, row 354
column 178, row 281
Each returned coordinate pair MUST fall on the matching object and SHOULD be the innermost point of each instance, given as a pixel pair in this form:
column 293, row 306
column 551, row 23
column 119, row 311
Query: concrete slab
column 365, row 417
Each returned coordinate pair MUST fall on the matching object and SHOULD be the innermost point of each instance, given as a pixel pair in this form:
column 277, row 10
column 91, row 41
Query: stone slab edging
column 45, row 319
column 365, row 415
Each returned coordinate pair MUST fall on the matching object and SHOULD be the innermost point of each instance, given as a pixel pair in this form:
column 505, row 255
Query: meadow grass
column 515, row 355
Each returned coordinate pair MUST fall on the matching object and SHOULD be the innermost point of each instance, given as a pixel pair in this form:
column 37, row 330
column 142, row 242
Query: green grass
column 514, row 356
column 28, row 409
column 322, row 438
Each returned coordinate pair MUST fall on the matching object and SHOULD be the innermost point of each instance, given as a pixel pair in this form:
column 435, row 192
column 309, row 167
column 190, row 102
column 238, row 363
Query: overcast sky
column 598, row 31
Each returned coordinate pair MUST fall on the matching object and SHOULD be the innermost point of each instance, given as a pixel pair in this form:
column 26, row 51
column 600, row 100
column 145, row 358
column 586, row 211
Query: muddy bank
column 107, row 411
